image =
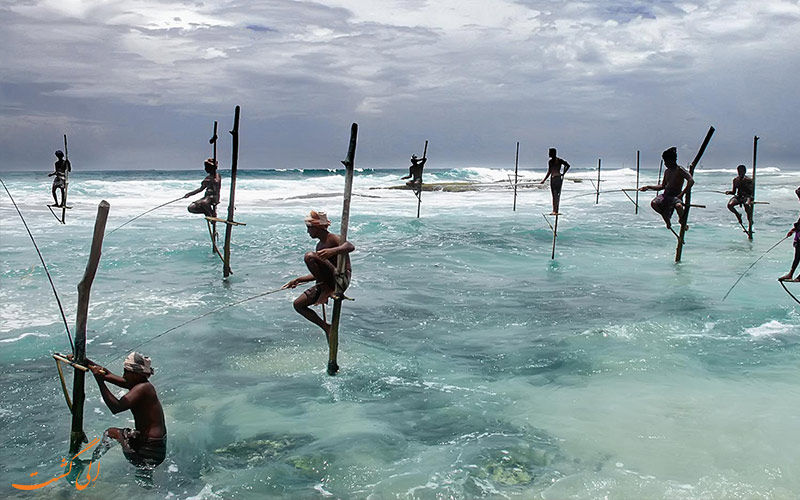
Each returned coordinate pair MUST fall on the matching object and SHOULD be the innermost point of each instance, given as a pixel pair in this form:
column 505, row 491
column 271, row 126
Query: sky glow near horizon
column 138, row 83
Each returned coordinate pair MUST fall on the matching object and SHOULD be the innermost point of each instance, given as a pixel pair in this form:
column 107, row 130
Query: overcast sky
column 138, row 83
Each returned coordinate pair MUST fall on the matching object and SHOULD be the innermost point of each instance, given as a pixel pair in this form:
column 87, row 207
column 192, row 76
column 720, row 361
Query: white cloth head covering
column 317, row 219
column 137, row 363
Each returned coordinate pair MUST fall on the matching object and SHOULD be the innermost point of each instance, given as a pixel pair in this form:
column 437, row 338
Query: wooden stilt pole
column 77, row 436
column 636, row 201
column 597, row 198
column 333, row 337
column 687, row 203
column 752, row 207
column 419, row 192
column 212, row 226
column 226, row 266
column 555, row 235
column 66, row 184
column 516, row 170
column 660, row 166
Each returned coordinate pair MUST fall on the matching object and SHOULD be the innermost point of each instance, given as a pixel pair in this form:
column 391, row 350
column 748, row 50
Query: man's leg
column 732, row 207
column 794, row 264
column 748, row 209
column 55, row 200
column 324, row 272
column 302, row 306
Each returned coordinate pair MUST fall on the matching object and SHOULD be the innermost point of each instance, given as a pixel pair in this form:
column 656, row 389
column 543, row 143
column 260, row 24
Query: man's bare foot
column 787, row 277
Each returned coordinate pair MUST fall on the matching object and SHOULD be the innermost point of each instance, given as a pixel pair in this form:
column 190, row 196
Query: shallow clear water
column 473, row 365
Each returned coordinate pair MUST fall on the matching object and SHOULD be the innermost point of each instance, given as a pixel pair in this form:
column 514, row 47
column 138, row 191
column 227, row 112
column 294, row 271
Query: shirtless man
column 742, row 195
column 415, row 172
column 62, row 166
column 671, row 199
column 795, row 230
column 322, row 264
column 145, row 446
column 207, row 205
column 554, row 165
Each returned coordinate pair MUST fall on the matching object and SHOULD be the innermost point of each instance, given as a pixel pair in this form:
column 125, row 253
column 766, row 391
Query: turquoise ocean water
column 473, row 365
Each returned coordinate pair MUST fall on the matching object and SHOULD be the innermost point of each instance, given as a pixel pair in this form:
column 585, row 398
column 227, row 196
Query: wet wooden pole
column 333, row 337
column 753, row 206
column 597, row 198
column 516, row 176
column 660, row 166
column 687, row 204
column 212, row 226
column 77, row 436
column 555, row 235
column 419, row 192
column 636, row 194
column 226, row 266
column 66, row 183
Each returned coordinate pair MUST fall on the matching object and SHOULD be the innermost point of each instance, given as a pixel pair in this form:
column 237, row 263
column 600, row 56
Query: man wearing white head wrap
column 322, row 265
column 145, row 446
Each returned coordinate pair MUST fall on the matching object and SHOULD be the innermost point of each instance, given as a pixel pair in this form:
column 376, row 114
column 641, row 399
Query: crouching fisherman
column 322, row 265
column 207, row 205
column 671, row 200
column 146, row 445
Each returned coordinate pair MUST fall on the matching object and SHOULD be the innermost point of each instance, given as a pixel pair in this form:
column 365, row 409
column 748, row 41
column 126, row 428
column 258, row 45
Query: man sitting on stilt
column 322, row 265
column 207, row 205
column 742, row 195
column 145, row 446
column 671, row 199
column 415, row 173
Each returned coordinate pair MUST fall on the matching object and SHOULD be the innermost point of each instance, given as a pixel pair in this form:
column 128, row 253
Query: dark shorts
column 739, row 200
column 666, row 203
column 143, row 452
column 59, row 182
column 319, row 294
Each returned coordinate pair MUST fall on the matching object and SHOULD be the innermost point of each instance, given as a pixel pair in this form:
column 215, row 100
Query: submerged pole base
column 333, row 368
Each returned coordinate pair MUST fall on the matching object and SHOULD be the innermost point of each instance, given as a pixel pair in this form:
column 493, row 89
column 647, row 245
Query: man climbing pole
column 322, row 265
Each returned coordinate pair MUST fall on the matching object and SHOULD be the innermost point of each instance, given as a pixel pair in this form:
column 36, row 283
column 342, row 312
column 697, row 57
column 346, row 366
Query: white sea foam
column 772, row 328
column 31, row 334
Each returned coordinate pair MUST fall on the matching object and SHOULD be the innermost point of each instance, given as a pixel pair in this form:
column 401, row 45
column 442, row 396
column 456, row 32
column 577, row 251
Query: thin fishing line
column 199, row 317
column 751, row 267
column 58, row 300
column 145, row 213
column 787, row 291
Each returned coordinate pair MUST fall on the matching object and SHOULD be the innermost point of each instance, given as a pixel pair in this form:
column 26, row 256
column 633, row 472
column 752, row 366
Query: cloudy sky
column 138, row 83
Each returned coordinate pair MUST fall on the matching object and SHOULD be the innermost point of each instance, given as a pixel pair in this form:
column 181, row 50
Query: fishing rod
column 753, row 264
column 52, row 285
column 200, row 317
column 145, row 213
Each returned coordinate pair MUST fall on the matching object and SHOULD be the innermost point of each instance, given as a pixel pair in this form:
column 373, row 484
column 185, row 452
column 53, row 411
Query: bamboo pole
column 688, row 201
column 66, row 183
column 516, row 170
column 77, row 435
column 419, row 192
column 333, row 337
column 752, row 208
column 597, row 199
column 226, row 266
column 660, row 166
column 636, row 201
column 555, row 235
